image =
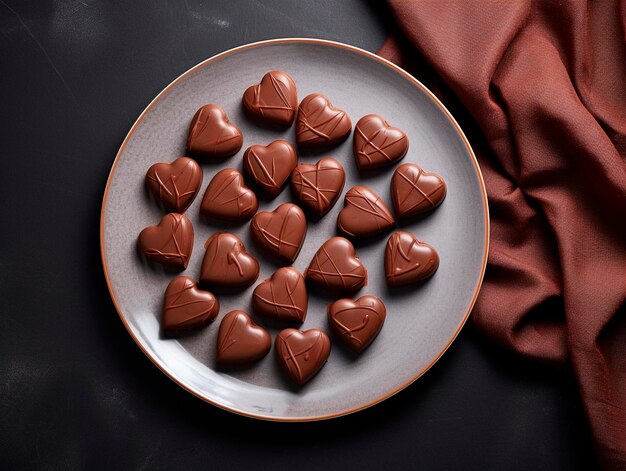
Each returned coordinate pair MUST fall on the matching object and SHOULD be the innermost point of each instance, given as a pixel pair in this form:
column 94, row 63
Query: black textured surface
column 76, row 392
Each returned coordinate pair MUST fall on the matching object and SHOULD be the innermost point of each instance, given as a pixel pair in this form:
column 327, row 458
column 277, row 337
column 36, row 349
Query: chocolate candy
column 212, row 135
column 318, row 186
column 273, row 101
column 175, row 185
column 408, row 260
column 414, row 191
column 280, row 232
column 282, row 297
column 186, row 307
column 228, row 198
column 336, row 267
column 302, row 354
column 377, row 143
column 270, row 166
column 357, row 322
column 240, row 341
column 170, row 243
column 319, row 124
column 364, row 213
column 226, row 263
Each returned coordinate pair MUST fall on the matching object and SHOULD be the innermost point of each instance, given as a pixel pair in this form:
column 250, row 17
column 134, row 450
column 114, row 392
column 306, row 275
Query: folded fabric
column 540, row 88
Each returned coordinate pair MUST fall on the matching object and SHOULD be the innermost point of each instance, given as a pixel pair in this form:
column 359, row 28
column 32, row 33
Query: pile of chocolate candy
column 283, row 297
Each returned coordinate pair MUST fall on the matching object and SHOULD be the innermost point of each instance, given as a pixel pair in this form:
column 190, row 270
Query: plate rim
column 296, row 40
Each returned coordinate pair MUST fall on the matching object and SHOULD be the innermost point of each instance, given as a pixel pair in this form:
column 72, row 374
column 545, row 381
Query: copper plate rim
column 370, row 55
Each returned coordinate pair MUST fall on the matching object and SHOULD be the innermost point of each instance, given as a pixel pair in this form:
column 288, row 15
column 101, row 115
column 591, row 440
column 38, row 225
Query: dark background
column 76, row 392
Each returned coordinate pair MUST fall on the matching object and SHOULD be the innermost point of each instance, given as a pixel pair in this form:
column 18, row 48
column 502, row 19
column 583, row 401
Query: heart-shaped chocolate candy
column 212, row 135
column 414, row 191
column 186, row 307
column 319, row 185
column 228, row 198
column 377, row 143
column 226, row 263
column 358, row 322
column 170, row 243
column 270, row 166
column 280, row 232
column 282, row 297
column 336, row 267
column 364, row 213
column 273, row 101
column 240, row 341
column 302, row 354
column 408, row 260
column 175, row 185
column 319, row 124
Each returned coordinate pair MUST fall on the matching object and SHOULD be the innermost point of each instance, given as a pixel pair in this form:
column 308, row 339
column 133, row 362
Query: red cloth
column 541, row 89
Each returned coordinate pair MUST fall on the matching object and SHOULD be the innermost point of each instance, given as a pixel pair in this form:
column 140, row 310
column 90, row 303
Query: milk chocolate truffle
column 212, row 135
column 186, row 307
column 240, row 341
column 377, row 143
column 302, row 354
column 270, row 166
column 228, row 198
column 357, row 323
column 414, row 191
column 272, row 102
column 364, row 213
column 175, row 185
column 318, row 186
column 170, row 243
column 226, row 263
column 407, row 260
column 282, row 297
column 319, row 124
column 336, row 267
column 280, row 232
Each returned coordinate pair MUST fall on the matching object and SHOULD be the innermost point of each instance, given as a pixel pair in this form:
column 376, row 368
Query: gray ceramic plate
column 421, row 322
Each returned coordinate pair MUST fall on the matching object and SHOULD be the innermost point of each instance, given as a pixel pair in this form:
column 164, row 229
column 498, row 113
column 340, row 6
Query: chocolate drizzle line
column 368, row 206
column 396, row 248
column 418, row 189
column 349, row 332
column 163, row 183
column 218, row 140
column 176, row 224
column 279, row 91
column 277, row 305
column 221, row 348
column 314, row 127
column 377, row 149
column 172, row 301
column 320, row 193
column 235, row 178
column 277, row 241
column 337, row 272
column 293, row 357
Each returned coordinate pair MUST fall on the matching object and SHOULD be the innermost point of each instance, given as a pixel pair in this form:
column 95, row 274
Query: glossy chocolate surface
column 280, row 232
column 414, row 191
column 175, row 185
column 336, row 267
column 273, row 101
column 282, row 297
column 270, row 166
column 364, row 213
column 358, row 322
column 226, row 263
column 318, row 186
column 212, row 135
column 302, row 354
column 186, row 307
column 170, row 243
column 240, row 341
column 377, row 143
column 228, row 198
column 319, row 124
column 407, row 260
